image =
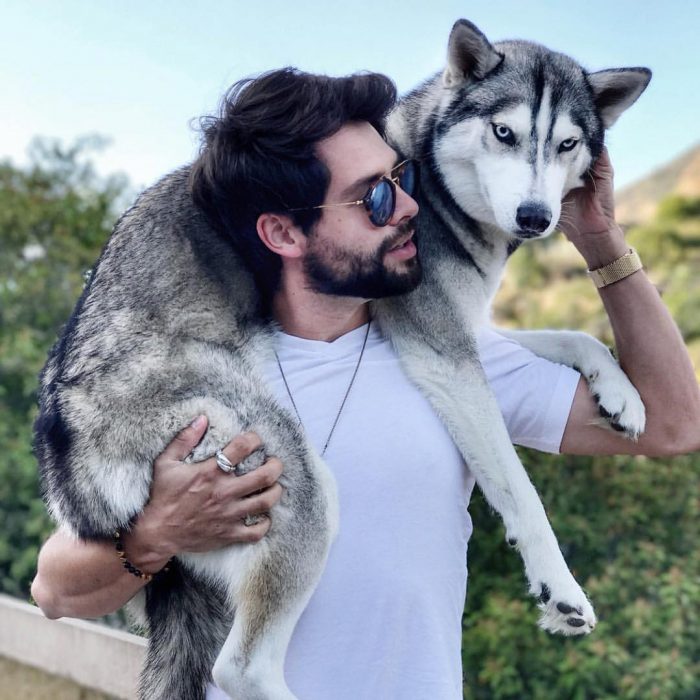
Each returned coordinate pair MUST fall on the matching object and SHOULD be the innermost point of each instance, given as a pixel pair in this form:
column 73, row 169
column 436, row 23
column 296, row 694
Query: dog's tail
column 189, row 619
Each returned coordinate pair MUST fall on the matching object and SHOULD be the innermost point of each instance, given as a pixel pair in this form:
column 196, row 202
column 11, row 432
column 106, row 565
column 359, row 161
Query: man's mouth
column 404, row 248
column 403, row 242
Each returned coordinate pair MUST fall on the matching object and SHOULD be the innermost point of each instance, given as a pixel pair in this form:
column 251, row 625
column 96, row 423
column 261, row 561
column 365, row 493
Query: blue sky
column 138, row 72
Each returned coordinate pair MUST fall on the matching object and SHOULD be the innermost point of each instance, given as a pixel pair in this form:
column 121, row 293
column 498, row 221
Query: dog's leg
column 618, row 401
column 463, row 399
column 268, row 583
column 271, row 582
column 251, row 663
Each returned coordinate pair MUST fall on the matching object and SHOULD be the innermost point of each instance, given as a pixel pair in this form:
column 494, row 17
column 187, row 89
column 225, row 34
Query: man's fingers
column 262, row 502
column 254, row 532
column 242, row 446
column 604, row 159
column 602, row 169
column 184, row 442
column 237, row 450
column 235, row 533
column 259, row 479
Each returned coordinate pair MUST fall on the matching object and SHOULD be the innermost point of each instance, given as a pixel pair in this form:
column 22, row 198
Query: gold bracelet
column 119, row 546
column 617, row 270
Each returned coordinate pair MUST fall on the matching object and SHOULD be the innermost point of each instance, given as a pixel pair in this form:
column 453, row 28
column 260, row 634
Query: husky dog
column 169, row 327
column 502, row 134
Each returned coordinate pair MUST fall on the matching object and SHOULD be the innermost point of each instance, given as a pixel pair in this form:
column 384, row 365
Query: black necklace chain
column 345, row 398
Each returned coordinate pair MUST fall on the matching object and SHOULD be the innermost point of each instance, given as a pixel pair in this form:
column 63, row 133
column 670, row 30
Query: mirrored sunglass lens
column 381, row 203
column 407, row 178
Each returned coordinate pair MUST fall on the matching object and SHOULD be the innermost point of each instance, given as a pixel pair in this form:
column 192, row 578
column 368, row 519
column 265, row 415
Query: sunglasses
column 380, row 200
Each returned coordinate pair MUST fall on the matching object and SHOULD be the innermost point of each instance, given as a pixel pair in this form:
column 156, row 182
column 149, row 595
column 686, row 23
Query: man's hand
column 588, row 216
column 197, row 507
column 192, row 508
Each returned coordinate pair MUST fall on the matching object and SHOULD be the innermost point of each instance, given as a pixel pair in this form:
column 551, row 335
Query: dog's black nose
column 533, row 217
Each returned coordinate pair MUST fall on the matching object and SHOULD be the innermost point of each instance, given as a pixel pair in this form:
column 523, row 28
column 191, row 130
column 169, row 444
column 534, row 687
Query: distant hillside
column 637, row 203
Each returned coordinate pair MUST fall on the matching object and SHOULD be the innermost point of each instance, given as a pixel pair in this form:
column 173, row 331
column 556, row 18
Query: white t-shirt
column 384, row 622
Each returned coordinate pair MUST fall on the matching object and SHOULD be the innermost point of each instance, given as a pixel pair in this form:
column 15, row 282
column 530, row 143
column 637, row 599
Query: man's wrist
column 618, row 270
column 600, row 249
column 145, row 548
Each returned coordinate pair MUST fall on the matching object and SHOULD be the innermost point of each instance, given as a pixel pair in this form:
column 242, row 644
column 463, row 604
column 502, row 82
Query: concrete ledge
column 20, row 682
column 88, row 654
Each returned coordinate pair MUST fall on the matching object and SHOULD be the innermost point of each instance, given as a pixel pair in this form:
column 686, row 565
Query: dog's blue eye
column 567, row 145
column 503, row 134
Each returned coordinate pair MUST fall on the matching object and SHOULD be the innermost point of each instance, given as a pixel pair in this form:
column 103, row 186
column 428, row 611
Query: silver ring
column 224, row 463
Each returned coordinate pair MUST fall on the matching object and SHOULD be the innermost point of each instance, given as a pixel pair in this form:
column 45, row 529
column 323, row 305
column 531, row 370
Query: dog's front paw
column 566, row 610
column 618, row 401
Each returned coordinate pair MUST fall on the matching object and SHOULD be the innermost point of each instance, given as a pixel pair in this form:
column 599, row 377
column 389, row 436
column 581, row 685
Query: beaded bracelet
column 119, row 546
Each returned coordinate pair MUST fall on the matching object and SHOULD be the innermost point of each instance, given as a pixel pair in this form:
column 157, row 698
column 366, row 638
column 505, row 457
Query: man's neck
column 308, row 314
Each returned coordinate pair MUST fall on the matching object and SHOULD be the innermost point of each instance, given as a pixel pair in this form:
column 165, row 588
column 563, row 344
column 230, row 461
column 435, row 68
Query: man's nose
column 406, row 207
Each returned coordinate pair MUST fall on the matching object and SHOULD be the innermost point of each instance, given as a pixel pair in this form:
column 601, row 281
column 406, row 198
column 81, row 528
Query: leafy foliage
column 55, row 215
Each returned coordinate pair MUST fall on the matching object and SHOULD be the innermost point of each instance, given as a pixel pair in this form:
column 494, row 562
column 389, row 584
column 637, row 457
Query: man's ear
column 279, row 233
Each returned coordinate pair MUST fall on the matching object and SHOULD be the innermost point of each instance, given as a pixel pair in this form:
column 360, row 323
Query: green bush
column 628, row 528
column 55, row 215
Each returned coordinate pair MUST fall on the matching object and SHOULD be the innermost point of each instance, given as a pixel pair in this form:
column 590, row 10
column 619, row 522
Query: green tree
column 55, row 215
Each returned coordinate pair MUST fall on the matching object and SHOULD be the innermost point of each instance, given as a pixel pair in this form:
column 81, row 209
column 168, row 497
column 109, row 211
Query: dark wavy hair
column 258, row 155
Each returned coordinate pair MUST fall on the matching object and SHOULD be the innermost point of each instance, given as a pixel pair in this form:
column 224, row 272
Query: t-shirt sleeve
column 534, row 394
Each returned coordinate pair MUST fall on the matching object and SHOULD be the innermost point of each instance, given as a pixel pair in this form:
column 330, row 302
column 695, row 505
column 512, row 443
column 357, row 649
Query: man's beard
column 332, row 270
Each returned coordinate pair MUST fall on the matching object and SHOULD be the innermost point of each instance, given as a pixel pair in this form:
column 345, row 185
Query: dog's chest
column 468, row 288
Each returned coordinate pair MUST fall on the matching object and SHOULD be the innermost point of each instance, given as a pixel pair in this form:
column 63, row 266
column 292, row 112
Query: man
column 384, row 621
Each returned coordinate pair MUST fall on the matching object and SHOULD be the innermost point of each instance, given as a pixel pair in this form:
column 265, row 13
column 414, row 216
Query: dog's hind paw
column 569, row 614
column 619, row 403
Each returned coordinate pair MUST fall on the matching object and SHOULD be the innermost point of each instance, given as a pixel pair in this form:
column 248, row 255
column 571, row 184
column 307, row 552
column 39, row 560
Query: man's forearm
column 649, row 345
column 81, row 579
column 651, row 351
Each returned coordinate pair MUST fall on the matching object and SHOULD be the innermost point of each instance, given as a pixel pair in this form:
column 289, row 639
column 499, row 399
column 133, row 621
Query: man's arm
column 649, row 345
column 192, row 508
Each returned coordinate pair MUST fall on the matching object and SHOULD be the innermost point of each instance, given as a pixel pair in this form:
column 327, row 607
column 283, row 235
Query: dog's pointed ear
column 469, row 55
column 617, row 89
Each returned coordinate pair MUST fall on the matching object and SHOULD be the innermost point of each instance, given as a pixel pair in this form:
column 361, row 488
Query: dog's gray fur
column 169, row 327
